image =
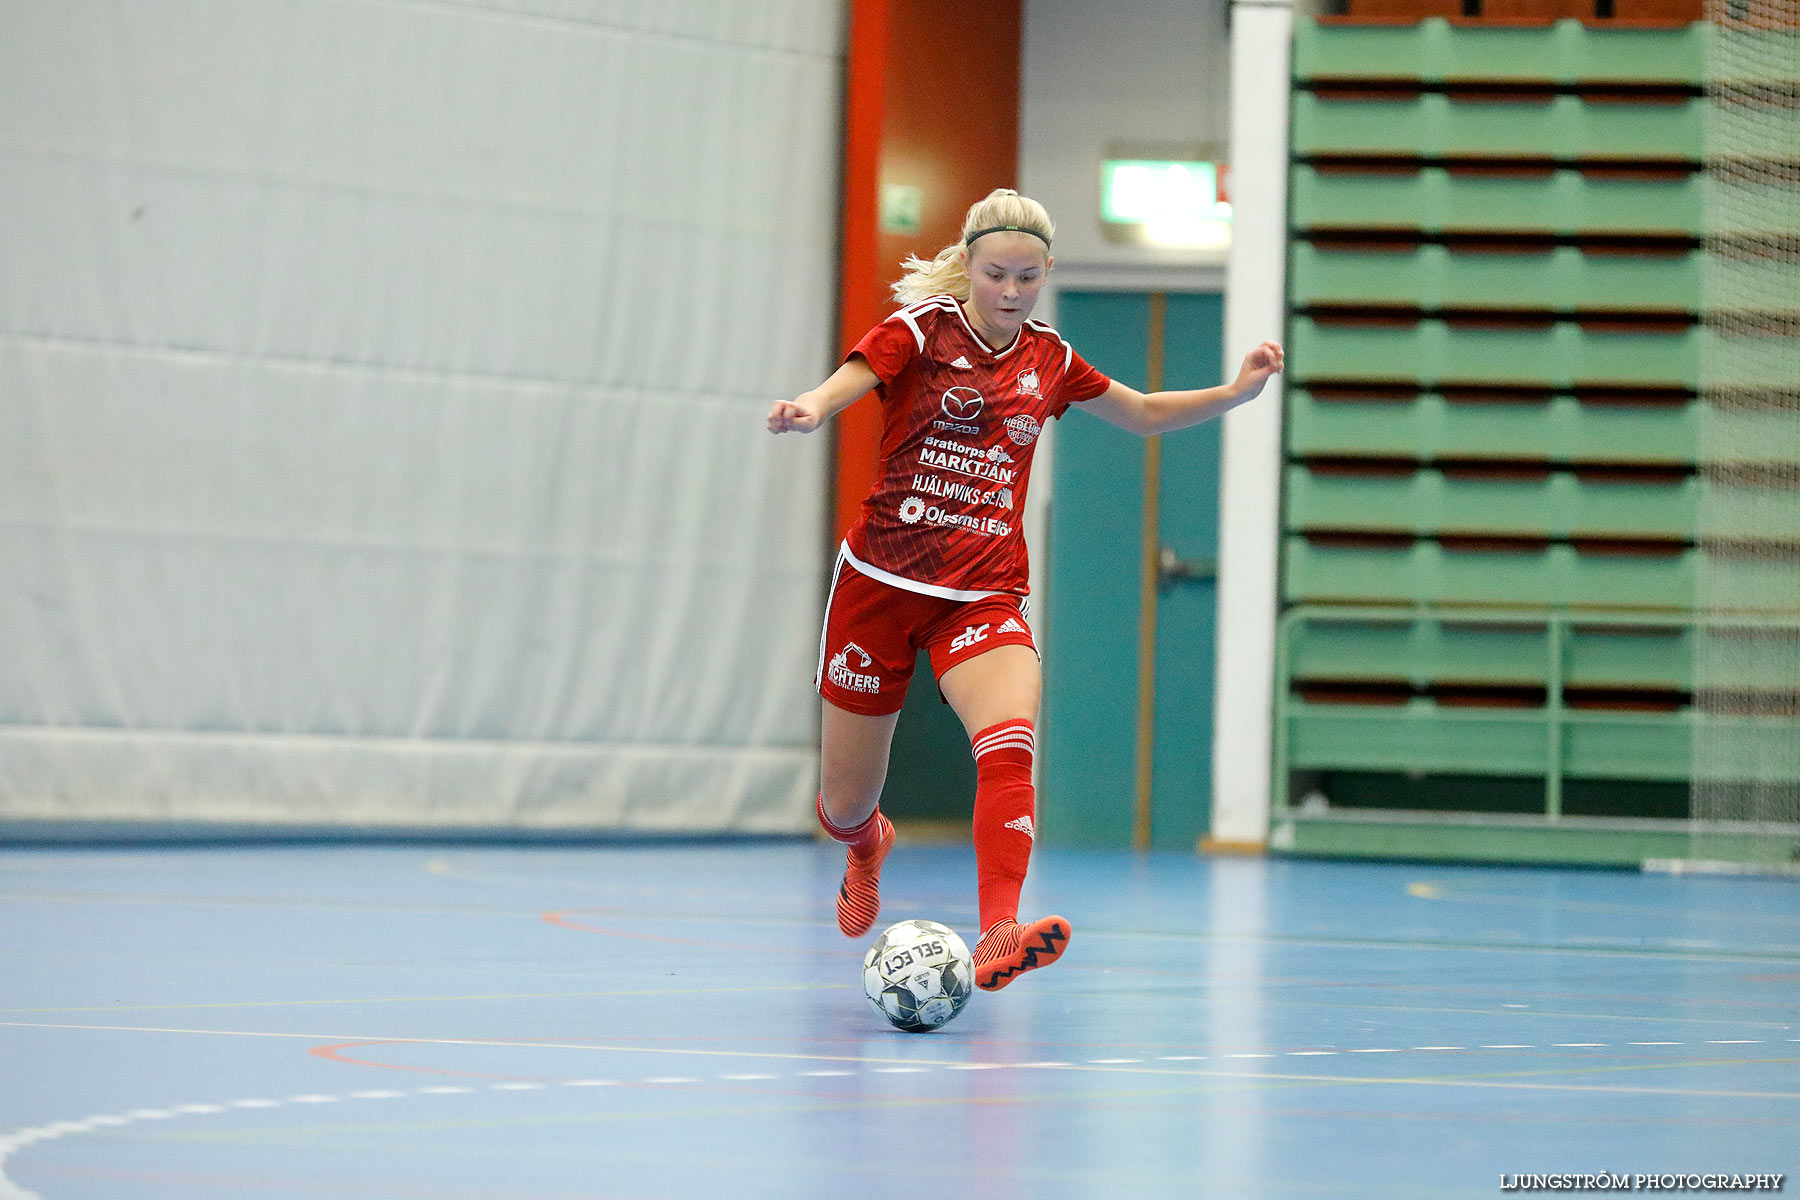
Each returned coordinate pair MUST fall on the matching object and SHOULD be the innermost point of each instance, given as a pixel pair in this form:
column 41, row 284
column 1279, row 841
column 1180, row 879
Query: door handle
column 1170, row 567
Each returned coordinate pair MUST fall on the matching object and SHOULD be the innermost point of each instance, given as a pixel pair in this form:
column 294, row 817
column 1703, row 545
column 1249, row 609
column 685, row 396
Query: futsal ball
column 918, row 975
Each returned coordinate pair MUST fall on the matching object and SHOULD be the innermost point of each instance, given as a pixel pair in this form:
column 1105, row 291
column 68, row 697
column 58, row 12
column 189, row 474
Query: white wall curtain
column 381, row 398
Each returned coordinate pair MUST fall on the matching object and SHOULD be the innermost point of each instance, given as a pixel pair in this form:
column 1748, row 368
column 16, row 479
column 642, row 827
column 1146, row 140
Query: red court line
column 334, row 1053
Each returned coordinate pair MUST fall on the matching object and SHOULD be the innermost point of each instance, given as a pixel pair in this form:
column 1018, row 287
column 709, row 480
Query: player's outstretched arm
column 1164, row 412
column 809, row 410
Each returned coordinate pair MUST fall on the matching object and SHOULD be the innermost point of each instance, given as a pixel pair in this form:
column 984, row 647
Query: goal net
column 1746, row 752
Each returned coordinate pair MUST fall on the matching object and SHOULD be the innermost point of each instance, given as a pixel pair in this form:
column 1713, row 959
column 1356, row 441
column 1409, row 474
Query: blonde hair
column 946, row 273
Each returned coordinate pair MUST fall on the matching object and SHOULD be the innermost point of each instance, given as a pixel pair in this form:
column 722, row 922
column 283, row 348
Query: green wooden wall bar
column 1429, row 427
column 1429, row 501
column 1432, row 125
column 1493, row 431
column 1434, row 352
column 1425, row 572
column 1433, row 199
column 1563, row 280
column 1434, row 50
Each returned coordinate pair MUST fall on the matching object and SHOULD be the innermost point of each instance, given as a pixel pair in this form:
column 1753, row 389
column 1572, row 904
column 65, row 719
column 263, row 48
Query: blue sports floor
column 686, row 1021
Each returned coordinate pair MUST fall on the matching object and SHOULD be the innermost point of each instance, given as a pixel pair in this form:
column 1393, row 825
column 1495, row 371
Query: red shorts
column 874, row 632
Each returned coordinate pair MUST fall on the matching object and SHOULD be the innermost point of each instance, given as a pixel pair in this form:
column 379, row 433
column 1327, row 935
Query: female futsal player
column 936, row 561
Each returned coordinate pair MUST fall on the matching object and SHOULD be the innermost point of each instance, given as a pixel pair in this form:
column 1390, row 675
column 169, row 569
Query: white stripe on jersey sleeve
column 1068, row 350
column 912, row 312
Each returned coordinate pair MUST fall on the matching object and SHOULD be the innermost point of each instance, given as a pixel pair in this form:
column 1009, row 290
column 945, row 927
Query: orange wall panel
column 932, row 103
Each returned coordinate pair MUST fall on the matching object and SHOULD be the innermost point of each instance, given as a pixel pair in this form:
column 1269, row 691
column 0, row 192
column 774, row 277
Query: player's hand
column 800, row 415
column 1265, row 360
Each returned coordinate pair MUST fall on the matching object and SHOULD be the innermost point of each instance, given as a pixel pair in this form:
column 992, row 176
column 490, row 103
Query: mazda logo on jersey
column 962, row 404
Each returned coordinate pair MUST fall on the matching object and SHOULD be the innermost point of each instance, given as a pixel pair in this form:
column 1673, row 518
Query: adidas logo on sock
column 1010, row 625
column 1023, row 825
column 963, row 362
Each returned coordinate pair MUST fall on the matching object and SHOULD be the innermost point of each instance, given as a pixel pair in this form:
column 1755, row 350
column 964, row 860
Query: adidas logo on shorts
column 1010, row 625
column 1023, row 825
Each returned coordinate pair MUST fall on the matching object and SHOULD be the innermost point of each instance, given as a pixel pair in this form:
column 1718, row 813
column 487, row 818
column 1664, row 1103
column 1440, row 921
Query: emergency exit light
column 1168, row 203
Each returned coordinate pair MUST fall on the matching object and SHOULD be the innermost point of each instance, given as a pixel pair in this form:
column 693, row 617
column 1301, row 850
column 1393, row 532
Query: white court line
column 19, row 1139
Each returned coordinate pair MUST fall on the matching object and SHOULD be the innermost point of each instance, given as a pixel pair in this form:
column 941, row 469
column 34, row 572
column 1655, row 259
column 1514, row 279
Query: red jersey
column 959, row 423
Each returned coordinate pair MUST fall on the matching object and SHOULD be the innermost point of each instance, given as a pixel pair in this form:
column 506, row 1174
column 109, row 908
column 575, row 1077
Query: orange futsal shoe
column 859, row 896
column 1009, row 949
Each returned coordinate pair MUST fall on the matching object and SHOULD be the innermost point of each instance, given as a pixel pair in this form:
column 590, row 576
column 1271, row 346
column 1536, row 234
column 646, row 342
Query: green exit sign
column 1167, row 202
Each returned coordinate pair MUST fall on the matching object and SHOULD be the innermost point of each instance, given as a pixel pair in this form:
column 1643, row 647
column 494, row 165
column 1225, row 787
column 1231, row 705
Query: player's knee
column 847, row 807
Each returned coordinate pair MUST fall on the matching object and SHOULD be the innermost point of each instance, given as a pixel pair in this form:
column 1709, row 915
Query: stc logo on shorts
column 969, row 636
column 962, row 407
column 854, row 681
column 913, row 510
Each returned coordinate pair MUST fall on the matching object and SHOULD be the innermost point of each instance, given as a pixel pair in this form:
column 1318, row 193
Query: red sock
column 1004, row 806
column 862, row 839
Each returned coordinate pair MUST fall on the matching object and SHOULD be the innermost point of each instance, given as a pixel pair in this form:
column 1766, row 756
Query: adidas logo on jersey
column 1010, row 625
column 1023, row 825
column 963, row 362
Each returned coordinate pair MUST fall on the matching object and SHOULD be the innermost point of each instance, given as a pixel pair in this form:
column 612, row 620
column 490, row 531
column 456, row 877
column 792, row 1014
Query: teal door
column 1126, row 737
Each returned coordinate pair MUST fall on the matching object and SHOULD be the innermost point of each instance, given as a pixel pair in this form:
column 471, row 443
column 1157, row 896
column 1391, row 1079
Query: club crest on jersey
column 1028, row 383
column 1023, row 428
